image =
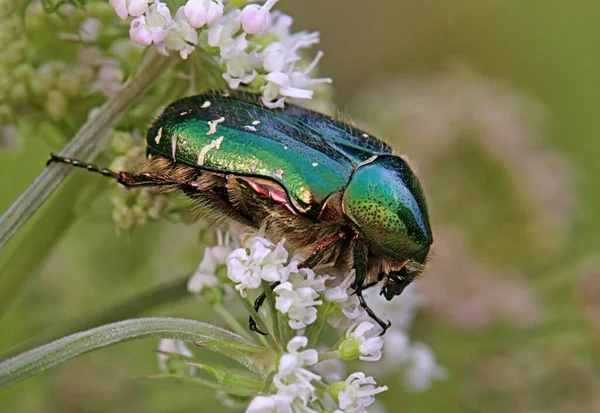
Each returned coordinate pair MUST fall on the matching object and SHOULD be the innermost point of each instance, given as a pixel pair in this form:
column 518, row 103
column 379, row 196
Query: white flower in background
column 206, row 273
column 362, row 341
column 203, row 12
column 109, row 80
column 153, row 26
column 262, row 260
column 297, row 297
column 167, row 349
column 89, row 30
column 292, row 378
column 356, row 393
column 181, row 37
column 422, row 368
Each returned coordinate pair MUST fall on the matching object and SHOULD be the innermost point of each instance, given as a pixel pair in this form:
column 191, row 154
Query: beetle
column 336, row 193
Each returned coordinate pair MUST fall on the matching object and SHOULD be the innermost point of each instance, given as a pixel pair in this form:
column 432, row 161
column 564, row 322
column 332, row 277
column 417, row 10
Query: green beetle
column 336, row 193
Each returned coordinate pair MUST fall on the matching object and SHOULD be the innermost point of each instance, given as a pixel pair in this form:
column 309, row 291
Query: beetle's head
column 385, row 201
column 396, row 280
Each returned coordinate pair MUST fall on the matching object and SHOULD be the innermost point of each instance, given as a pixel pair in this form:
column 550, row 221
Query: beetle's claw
column 253, row 327
column 384, row 326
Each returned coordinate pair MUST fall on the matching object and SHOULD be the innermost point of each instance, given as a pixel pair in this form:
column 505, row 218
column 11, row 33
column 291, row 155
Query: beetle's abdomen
column 385, row 200
column 237, row 137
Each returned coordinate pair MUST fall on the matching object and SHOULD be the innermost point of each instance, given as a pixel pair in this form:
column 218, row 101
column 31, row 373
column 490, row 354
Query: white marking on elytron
column 365, row 135
column 206, row 104
column 256, row 122
column 212, row 124
column 183, row 113
column 184, row 143
column 173, row 146
column 158, row 136
column 216, row 144
column 315, row 164
column 225, row 94
column 285, row 147
column 278, row 174
column 250, row 128
column 368, row 161
column 252, row 168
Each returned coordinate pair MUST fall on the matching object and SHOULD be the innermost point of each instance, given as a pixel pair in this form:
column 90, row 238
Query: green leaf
column 205, row 383
column 259, row 360
column 228, row 377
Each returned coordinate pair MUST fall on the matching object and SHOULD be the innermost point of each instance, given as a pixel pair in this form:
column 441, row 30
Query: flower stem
column 233, row 322
column 85, row 144
column 274, row 314
column 330, row 355
column 315, row 331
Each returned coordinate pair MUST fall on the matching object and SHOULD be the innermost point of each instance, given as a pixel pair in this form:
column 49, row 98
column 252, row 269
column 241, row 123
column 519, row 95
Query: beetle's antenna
column 127, row 178
column 79, row 164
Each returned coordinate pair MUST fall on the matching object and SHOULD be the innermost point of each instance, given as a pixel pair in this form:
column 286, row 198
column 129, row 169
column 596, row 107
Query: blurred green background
column 496, row 103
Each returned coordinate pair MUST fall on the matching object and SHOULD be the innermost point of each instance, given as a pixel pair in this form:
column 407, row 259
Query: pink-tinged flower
column 255, row 18
column 203, row 12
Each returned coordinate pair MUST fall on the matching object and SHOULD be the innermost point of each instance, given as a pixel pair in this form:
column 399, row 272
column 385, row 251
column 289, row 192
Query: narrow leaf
column 31, row 362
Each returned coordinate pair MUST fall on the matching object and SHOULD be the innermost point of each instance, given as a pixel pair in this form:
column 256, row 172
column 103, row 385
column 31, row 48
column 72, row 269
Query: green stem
column 315, row 331
column 132, row 307
column 238, row 391
column 330, row 355
column 85, row 145
column 274, row 314
column 268, row 339
column 233, row 322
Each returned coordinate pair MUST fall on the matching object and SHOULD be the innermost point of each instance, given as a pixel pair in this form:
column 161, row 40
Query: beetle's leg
column 315, row 257
column 257, row 304
column 311, row 261
column 360, row 267
column 125, row 178
column 384, row 325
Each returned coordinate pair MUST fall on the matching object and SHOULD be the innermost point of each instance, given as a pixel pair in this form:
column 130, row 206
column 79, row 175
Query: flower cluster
column 252, row 44
column 308, row 378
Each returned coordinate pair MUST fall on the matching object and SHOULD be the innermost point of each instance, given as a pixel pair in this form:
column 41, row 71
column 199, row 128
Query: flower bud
column 56, row 105
column 336, row 388
column 350, row 349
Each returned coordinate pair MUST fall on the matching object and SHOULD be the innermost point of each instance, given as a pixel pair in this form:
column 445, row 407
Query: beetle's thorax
column 385, row 201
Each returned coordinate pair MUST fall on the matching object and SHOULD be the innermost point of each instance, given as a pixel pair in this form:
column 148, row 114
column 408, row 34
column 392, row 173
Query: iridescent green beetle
column 334, row 192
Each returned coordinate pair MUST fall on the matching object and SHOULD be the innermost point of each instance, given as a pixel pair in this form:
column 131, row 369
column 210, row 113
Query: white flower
column 422, row 368
column 125, row 8
column 181, row 36
column 278, row 403
column 293, row 84
column 205, row 274
column 292, row 379
column 262, row 260
column 153, row 27
column 222, row 35
column 297, row 297
column 350, row 306
column 167, row 348
column 240, row 69
column 201, row 12
column 368, row 342
column 255, row 18
column 358, row 393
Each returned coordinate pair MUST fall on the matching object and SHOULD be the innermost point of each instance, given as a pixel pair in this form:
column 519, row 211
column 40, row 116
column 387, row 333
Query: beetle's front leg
column 360, row 266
